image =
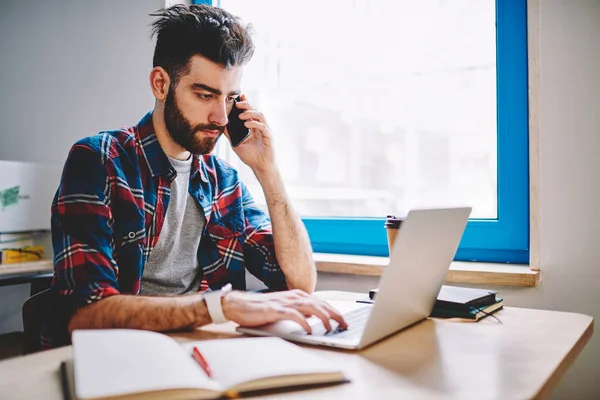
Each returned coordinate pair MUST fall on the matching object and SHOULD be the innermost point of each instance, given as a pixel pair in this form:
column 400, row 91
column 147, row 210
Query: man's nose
column 218, row 114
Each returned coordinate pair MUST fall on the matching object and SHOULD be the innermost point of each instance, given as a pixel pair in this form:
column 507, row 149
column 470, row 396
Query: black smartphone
column 236, row 128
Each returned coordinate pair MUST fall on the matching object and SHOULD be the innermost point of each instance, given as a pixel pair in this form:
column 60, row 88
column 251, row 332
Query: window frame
column 506, row 238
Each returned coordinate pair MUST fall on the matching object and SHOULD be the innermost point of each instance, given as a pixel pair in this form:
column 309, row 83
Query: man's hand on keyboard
column 254, row 309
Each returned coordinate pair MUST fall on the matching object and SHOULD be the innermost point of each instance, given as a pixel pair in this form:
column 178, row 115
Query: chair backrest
column 33, row 311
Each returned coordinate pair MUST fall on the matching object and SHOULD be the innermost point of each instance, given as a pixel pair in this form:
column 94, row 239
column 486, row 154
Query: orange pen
column 197, row 356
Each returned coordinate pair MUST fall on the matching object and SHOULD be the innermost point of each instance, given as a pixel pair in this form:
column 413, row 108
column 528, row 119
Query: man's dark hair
column 184, row 31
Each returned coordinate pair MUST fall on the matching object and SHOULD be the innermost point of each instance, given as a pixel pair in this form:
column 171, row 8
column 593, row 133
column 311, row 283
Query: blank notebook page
column 115, row 362
column 234, row 361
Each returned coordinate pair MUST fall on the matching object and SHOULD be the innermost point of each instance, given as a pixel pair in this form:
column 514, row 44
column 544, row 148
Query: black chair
column 33, row 311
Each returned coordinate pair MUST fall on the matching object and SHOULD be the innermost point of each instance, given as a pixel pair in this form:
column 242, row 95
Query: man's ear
column 159, row 83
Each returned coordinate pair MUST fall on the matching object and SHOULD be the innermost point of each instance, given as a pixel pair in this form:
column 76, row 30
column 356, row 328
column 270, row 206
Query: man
column 146, row 219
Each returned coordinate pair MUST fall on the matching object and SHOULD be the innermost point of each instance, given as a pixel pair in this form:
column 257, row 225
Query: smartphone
column 236, row 128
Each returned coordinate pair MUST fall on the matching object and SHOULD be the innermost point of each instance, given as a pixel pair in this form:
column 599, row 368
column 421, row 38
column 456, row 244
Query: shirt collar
column 157, row 160
column 198, row 168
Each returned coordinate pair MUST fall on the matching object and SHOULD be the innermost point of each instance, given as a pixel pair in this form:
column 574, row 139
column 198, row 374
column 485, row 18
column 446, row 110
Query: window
column 378, row 107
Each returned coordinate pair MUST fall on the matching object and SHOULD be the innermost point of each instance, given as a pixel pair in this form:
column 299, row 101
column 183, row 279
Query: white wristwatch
column 214, row 305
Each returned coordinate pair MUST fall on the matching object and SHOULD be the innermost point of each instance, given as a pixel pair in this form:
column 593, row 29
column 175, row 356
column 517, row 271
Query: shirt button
column 131, row 235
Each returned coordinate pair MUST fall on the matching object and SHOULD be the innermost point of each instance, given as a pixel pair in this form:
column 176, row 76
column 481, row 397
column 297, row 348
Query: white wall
column 71, row 68
column 569, row 168
column 569, row 184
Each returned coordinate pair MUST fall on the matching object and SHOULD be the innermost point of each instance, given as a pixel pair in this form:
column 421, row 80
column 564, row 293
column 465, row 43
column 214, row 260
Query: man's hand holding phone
column 255, row 149
column 292, row 246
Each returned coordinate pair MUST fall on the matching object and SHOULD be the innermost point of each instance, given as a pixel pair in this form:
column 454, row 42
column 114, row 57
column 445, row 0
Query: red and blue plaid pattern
column 109, row 210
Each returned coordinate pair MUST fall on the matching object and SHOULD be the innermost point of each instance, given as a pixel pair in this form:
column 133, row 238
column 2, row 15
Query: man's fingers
column 293, row 305
column 309, row 307
column 256, row 125
column 243, row 105
column 335, row 315
column 254, row 115
column 293, row 315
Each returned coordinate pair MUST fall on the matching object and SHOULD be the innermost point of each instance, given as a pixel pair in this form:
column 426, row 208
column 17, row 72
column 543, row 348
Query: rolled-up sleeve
column 85, row 270
column 259, row 248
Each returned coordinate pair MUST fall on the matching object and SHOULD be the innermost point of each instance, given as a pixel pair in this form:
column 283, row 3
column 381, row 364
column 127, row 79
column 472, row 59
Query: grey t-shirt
column 173, row 266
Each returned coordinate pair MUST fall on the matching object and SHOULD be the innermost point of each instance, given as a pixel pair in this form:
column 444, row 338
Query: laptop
column 423, row 250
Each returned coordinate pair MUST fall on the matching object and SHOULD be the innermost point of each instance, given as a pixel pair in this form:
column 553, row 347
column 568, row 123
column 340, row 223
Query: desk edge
column 565, row 363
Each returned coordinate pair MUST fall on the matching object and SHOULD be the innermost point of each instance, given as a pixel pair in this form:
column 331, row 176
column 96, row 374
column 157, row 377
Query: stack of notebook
column 467, row 303
column 459, row 302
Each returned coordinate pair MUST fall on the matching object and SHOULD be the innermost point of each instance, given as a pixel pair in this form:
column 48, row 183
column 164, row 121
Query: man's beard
column 183, row 133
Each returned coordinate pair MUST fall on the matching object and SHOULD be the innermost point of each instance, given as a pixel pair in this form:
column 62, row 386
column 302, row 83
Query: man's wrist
column 214, row 304
column 267, row 176
column 226, row 304
column 272, row 184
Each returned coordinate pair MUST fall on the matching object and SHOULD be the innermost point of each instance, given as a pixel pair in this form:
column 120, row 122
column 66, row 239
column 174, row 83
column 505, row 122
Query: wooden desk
column 522, row 358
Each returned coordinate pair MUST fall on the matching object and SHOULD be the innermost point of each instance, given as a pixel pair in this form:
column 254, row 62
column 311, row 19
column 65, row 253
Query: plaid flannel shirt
column 109, row 210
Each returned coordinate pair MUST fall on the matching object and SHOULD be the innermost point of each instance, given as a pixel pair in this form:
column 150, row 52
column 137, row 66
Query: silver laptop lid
column 423, row 250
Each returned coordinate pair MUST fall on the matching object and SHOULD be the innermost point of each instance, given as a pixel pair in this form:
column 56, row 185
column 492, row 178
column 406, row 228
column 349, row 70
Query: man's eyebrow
column 213, row 90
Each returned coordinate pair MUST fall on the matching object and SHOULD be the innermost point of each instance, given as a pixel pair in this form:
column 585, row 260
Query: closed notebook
column 464, row 299
column 458, row 297
column 134, row 364
column 474, row 313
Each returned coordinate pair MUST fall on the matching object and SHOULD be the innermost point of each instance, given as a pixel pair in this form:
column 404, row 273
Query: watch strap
column 214, row 304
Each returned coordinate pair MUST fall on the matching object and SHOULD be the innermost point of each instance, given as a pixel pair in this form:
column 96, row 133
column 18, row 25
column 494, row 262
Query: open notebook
column 132, row 364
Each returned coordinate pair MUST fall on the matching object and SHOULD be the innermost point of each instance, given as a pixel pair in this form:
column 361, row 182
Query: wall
column 569, row 83
column 69, row 70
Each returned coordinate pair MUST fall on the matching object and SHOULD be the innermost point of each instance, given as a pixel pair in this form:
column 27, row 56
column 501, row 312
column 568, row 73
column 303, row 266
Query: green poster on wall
column 9, row 197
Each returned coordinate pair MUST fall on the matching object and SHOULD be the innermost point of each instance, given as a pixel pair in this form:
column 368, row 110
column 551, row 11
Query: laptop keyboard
column 356, row 320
